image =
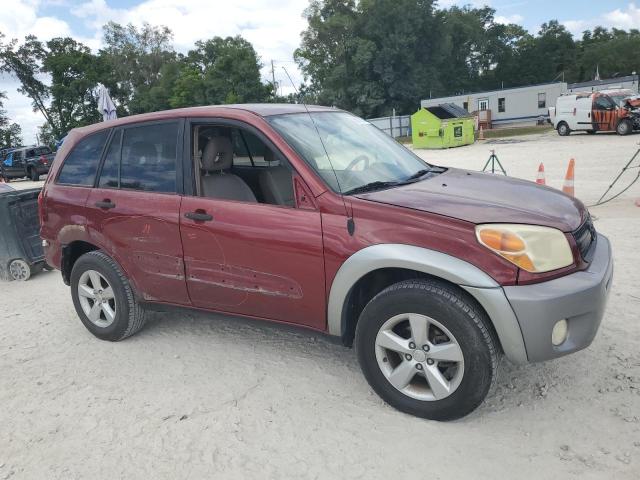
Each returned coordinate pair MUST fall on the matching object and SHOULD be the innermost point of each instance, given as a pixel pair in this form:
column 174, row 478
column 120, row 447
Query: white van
column 592, row 112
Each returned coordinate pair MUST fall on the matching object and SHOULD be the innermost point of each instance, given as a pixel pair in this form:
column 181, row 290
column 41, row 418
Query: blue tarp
column 8, row 162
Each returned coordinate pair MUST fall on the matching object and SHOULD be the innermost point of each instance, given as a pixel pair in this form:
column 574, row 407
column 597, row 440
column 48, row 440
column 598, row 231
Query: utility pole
column 273, row 79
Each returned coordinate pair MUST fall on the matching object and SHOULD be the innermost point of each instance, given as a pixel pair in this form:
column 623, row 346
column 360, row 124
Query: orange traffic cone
column 540, row 180
column 568, row 187
column 481, row 136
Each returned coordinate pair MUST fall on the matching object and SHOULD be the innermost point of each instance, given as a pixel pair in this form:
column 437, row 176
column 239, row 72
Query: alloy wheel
column 97, row 298
column 419, row 356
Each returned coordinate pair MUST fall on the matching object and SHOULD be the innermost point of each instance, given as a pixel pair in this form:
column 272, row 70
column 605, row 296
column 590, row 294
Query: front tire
column 103, row 298
column 624, row 127
column 427, row 350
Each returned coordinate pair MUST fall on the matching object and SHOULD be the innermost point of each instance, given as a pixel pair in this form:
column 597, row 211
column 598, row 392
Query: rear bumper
column 580, row 298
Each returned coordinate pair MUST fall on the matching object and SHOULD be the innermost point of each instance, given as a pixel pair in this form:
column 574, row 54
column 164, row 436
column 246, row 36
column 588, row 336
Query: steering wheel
column 357, row 160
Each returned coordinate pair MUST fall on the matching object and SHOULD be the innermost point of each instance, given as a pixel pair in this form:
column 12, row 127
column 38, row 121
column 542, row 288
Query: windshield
column 359, row 152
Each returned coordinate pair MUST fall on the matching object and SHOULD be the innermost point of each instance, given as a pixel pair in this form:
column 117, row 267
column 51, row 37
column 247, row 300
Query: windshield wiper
column 418, row 174
column 370, row 187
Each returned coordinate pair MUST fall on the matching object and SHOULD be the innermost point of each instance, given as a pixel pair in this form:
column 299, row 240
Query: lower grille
column 585, row 237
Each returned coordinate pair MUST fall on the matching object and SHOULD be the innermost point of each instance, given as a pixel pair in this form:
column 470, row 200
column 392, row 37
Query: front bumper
column 580, row 298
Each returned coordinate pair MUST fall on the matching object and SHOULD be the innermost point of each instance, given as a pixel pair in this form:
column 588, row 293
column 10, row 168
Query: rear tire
column 625, row 127
column 563, row 129
column 103, row 298
column 438, row 386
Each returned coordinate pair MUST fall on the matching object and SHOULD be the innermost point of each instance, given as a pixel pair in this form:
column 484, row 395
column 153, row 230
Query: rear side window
column 81, row 164
column 148, row 158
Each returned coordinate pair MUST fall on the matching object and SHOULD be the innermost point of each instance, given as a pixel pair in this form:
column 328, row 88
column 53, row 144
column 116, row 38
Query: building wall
column 520, row 104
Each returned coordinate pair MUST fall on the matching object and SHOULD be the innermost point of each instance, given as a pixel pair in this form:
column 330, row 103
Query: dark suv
column 30, row 162
column 316, row 218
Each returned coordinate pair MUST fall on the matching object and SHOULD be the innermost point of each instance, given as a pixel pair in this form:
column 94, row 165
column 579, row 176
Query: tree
column 24, row 62
column 136, row 59
column 69, row 100
column 219, row 71
column 10, row 132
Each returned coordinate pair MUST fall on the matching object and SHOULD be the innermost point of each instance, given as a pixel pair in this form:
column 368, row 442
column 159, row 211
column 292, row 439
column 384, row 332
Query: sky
column 273, row 26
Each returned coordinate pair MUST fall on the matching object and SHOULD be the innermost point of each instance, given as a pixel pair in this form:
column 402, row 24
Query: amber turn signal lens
column 502, row 240
column 533, row 248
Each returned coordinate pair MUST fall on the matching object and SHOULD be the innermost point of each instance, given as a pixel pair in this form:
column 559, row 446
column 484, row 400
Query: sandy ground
column 201, row 396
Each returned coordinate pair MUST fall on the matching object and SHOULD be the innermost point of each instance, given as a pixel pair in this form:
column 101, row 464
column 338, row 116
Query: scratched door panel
column 142, row 232
column 255, row 259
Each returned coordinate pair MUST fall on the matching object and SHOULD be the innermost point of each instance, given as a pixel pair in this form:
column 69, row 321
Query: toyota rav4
column 311, row 216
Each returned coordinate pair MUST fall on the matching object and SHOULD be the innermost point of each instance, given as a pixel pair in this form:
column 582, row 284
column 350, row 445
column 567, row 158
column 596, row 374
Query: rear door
column 254, row 258
column 133, row 211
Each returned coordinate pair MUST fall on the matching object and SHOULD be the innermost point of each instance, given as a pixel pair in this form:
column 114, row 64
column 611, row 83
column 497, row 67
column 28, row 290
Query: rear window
column 81, row 164
column 42, row 151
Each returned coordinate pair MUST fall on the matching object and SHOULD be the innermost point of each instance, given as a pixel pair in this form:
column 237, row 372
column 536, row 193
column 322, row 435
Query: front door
column 14, row 164
column 133, row 212
column 256, row 257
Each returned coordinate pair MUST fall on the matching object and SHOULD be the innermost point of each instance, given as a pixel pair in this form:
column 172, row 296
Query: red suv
column 316, row 218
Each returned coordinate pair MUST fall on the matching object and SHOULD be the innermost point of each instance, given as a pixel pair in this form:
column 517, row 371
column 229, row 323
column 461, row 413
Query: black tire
column 130, row 315
column 461, row 316
column 625, row 127
column 563, row 129
column 33, row 175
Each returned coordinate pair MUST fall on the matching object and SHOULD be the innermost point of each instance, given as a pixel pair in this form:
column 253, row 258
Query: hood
column 486, row 198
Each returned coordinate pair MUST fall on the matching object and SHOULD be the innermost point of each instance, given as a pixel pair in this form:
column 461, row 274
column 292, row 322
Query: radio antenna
column 350, row 223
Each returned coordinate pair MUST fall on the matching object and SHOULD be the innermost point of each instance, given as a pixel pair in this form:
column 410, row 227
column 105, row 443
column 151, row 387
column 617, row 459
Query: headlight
column 530, row 247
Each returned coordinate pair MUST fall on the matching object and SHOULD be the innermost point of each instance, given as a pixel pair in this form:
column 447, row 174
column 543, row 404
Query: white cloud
column 619, row 18
column 515, row 18
column 625, row 19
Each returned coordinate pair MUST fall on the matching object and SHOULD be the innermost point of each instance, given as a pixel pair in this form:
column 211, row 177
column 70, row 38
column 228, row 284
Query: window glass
column 42, row 151
column 149, row 158
column 81, row 164
column 248, row 147
column 501, row 104
column 109, row 174
column 346, row 151
column 542, row 100
column 603, row 103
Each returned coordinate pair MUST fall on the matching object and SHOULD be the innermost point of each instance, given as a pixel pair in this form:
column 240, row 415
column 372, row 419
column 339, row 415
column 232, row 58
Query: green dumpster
column 442, row 126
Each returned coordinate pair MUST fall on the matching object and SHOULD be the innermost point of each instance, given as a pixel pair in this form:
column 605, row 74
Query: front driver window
column 235, row 164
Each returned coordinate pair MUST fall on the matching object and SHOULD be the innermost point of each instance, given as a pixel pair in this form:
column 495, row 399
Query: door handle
column 198, row 216
column 106, row 203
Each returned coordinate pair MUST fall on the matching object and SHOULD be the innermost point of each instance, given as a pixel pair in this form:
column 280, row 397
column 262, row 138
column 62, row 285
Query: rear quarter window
column 81, row 164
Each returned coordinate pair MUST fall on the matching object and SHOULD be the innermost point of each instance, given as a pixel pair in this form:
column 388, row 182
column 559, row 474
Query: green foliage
column 373, row 56
column 219, row 71
column 367, row 56
column 140, row 68
column 10, row 133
